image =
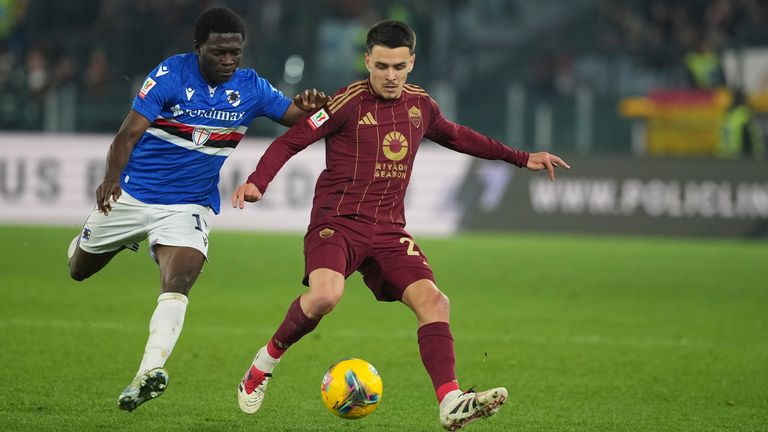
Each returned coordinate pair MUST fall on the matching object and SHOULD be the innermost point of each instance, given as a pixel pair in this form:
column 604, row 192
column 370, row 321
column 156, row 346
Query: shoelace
column 466, row 404
column 251, row 383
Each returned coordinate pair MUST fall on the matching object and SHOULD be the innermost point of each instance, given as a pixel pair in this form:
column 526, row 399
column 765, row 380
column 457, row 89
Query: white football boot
column 469, row 406
column 250, row 392
column 143, row 388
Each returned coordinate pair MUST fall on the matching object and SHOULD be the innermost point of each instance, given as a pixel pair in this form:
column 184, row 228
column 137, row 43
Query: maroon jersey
column 370, row 146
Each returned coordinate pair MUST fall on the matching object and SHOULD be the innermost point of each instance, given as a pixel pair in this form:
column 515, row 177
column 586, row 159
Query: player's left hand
column 310, row 100
column 246, row 192
column 542, row 160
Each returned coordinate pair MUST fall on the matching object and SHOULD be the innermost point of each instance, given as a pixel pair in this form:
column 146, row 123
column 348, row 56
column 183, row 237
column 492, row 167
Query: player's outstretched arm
column 304, row 102
column 544, row 160
column 117, row 158
column 246, row 192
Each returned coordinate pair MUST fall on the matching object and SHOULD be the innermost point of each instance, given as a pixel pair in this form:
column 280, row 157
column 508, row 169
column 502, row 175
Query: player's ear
column 367, row 61
column 412, row 62
column 197, row 48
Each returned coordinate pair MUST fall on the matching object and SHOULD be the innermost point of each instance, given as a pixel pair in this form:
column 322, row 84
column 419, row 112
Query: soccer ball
column 351, row 389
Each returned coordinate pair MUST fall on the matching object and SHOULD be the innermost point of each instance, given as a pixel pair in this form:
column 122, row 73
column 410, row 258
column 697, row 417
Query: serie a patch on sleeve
column 317, row 119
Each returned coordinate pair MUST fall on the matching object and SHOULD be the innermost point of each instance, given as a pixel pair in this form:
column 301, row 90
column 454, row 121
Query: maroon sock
column 295, row 325
column 436, row 348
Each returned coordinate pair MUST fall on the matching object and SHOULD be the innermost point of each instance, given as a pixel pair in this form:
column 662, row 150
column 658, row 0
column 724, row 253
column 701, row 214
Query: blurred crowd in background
column 74, row 66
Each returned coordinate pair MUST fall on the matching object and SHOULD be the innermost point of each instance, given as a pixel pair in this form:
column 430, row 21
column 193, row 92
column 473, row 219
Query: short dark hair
column 218, row 20
column 391, row 34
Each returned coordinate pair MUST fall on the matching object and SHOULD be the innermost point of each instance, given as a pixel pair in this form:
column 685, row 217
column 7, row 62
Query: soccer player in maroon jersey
column 372, row 131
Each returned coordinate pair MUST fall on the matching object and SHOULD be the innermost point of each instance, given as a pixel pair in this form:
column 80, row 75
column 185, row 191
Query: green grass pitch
column 587, row 333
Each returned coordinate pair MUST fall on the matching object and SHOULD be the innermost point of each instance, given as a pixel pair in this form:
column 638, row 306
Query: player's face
column 389, row 68
column 219, row 57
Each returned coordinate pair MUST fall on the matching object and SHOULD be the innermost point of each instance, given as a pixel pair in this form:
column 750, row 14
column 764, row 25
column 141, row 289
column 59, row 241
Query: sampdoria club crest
column 233, row 97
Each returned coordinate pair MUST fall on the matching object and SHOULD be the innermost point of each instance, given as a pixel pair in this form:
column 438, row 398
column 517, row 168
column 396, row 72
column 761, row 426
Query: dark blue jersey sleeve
column 272, row 103
column 157, row 90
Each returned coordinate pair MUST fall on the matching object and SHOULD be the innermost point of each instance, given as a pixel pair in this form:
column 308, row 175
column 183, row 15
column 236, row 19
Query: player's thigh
column 104, row 236
column 334, row 247
column 123, row 227
column 82, row 264
column 178, row 238
column 395, row 262
column 181, row 226
column 325, row 278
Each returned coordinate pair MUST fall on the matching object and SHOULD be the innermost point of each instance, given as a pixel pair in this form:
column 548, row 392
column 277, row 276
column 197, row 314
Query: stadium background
column 628, row 295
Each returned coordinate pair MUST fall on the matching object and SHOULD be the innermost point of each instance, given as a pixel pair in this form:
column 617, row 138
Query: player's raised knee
column 440, row 301
column 322, row 301
column 325, row 290
column 427, row 301
column 77, row 273
column 324, row 294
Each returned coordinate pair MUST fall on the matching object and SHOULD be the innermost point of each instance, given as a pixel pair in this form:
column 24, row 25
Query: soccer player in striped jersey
column 372, row 131
column 162, row 175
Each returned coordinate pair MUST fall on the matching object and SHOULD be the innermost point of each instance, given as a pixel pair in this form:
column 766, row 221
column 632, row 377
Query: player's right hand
column 309, row 100
column 107, row 190
column 246, row 192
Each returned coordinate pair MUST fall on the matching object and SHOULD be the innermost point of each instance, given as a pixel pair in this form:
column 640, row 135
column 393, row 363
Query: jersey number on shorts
column 198, row 226
column 411, row 244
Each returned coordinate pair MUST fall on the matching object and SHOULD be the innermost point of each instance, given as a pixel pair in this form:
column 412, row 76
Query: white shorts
column 131, row 221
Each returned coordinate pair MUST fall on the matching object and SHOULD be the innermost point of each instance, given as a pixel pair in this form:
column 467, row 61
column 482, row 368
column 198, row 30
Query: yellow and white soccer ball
column 351, row 389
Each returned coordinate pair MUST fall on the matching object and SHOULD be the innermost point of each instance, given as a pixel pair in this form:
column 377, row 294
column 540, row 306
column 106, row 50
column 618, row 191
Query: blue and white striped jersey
column 194, row 128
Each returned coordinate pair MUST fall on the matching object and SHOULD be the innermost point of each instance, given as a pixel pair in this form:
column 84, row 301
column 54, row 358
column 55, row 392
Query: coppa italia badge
column 317, row 119
column 200, row 136
column 148, row 84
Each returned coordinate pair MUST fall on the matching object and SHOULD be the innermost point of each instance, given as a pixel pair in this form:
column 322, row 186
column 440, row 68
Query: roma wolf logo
column 200, row 136
column 414, row 115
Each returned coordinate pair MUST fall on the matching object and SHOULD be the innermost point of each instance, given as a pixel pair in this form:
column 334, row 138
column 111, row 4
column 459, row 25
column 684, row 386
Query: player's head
column 389, row 57
column 219, row 38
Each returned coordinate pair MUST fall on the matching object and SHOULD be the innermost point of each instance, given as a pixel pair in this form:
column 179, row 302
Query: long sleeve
column 465, row 140
column 283, row 148
column 305, row 132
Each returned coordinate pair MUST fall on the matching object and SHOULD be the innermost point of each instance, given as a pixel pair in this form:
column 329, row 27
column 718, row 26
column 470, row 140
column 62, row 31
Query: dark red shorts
column 386, row 256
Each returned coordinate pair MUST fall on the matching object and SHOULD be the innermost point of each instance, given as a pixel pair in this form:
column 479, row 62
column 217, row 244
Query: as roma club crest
column 326, row 232
column 200, row 136
column 414, row 115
